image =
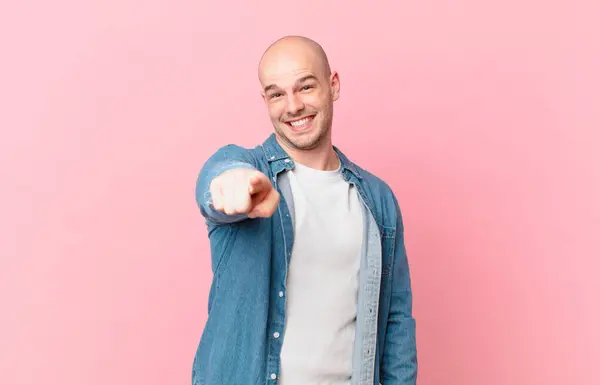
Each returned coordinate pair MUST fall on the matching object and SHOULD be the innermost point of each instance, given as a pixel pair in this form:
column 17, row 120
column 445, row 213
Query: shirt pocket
column 388, row 243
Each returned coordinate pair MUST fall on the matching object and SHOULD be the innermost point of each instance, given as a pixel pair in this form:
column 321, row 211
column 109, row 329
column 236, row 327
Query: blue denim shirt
column 242, row 338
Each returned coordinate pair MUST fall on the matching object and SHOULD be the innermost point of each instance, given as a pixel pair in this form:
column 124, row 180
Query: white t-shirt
column 322, row 281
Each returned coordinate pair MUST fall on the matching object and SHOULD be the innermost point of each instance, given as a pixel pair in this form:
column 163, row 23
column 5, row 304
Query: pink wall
column 483, row 116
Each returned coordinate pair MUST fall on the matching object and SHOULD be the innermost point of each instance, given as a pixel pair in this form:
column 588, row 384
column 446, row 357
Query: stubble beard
column 303, row 143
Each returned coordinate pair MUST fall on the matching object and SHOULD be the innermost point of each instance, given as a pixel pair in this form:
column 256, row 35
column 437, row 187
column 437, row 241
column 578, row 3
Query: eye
column 306, row 88
column 275, row 95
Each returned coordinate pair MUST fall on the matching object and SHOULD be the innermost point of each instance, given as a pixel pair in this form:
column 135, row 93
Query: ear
column 334, row 81
column 263, row 96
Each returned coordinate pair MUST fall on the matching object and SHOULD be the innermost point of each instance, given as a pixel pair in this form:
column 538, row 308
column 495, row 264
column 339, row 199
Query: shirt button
column 281, row 293
column 276, row 334
column 273, row 376
column 287, row 161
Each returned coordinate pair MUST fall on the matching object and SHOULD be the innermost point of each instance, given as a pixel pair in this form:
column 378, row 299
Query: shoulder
column 376, row 184
column 382, row 196
column 371, row 183
column 236, row 152
column 231, row 150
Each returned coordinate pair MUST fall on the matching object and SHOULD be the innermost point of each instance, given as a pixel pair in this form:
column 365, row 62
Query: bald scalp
column 290, row 44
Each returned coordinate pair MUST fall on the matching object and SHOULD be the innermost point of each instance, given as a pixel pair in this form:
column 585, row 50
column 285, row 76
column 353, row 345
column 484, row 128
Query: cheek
column 317, row 102
column 275, row 110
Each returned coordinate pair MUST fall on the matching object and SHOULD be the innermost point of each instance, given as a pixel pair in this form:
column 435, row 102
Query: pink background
column 482, row 116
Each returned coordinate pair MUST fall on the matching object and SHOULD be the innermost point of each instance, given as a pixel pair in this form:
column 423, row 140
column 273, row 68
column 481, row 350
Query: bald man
column 311, row 283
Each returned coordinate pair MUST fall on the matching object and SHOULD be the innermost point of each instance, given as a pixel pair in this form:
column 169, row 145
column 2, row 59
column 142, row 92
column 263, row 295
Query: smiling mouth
column 301, row 124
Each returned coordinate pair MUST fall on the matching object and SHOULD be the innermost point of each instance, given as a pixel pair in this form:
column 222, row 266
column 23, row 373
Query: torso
column 322, row 282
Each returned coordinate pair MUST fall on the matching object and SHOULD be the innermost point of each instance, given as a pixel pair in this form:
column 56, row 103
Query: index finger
column 258, row 182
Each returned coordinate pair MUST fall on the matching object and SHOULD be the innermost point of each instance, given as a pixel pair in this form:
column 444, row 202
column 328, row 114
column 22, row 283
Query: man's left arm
column 399, row 361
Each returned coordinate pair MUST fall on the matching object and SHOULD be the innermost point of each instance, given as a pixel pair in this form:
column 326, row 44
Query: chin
column 305, row 141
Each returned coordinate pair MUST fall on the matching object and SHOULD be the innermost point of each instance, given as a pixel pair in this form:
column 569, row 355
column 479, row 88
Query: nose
column 294, row 104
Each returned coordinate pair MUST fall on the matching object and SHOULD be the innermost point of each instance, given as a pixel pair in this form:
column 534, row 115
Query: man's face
column 299, row 95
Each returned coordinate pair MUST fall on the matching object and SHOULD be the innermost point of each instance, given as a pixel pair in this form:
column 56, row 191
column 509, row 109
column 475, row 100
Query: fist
column 244, row 191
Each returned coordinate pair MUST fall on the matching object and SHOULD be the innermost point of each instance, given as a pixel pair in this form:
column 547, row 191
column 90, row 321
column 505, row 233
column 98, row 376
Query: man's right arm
column 226, row 158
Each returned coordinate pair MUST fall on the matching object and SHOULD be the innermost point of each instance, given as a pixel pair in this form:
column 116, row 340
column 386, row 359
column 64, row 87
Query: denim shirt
column 243, row 335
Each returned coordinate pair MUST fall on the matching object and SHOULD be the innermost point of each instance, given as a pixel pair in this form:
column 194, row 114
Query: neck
column 322, row 157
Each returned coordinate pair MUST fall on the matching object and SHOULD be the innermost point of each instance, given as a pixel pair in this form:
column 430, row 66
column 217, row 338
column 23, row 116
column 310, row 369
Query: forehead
column 284, row 68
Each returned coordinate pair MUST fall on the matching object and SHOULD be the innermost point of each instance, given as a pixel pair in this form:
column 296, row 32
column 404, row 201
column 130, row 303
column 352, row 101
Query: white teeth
column 299, row 123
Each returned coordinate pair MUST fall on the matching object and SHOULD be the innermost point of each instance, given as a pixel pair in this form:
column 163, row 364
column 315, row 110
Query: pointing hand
column 244, row 191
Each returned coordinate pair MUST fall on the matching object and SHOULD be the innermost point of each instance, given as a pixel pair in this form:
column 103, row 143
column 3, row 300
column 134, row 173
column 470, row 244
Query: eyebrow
column 301, row 80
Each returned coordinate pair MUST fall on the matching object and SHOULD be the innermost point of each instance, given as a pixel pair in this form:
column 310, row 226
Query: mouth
column 302, row 124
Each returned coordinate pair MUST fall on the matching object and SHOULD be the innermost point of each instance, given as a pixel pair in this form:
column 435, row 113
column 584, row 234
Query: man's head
column 299, row 89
